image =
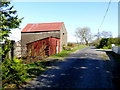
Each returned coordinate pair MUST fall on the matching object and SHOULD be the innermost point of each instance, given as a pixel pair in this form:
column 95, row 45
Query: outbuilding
column 43, row 39
column 44, row 47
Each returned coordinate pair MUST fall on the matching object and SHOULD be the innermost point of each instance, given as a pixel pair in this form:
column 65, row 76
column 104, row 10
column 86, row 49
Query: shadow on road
column 115, row 68
column 82, row 69
column 75, row 73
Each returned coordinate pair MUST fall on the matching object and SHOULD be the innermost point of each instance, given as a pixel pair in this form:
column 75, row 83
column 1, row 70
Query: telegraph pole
column 98, row 35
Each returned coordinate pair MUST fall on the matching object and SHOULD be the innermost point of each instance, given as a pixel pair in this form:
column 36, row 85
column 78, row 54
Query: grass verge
column 35, row 69
column 65, row 53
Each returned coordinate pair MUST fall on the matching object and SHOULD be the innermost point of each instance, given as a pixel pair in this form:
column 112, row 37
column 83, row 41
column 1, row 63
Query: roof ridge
column 47, row 23
column 42, row 27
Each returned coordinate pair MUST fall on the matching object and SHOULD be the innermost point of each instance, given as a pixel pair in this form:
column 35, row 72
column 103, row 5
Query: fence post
column 12, row 49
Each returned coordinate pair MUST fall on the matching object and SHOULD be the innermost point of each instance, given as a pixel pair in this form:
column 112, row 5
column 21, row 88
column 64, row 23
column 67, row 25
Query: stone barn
column 43, row 39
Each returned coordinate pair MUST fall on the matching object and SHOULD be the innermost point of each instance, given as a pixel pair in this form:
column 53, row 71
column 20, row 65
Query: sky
column 73, row 14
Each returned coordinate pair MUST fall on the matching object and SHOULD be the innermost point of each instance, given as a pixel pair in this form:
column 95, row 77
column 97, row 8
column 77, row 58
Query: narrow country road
column 86, row 68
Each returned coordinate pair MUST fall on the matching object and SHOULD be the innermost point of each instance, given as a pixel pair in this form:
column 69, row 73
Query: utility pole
column 103, row 19
column 98, row 36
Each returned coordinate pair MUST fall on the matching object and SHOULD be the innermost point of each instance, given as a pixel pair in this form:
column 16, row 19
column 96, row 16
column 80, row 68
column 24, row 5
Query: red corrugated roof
column 42, row 27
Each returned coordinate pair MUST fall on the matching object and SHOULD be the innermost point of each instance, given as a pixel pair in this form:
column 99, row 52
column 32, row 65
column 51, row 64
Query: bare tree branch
column 83, row 34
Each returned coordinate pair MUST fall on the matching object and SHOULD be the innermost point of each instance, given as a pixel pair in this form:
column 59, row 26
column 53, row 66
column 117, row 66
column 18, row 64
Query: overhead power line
column 98, row 34
column 105, row 15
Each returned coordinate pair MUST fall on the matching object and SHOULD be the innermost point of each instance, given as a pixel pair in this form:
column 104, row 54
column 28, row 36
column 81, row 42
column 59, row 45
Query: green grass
column 35, row 69
column 117, row 45
column 65, row 53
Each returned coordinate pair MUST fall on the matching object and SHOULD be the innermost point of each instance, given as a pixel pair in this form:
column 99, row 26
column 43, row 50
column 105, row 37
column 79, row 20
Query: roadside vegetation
column 71, row 47
column 12, row 70
column 15, row 74
column 106, row 43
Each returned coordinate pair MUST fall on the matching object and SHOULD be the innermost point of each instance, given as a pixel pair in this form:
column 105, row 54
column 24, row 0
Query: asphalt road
column 86, row 68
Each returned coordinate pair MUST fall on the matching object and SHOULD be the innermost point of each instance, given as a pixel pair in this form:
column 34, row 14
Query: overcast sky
column 73, row 14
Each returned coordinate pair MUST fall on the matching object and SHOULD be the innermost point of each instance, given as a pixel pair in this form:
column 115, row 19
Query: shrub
column 107, row 47
column 71, row 44
column 105, row 43
column 13, row 72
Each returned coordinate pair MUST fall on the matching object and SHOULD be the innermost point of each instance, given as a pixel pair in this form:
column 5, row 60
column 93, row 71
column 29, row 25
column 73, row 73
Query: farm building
column 43, row 39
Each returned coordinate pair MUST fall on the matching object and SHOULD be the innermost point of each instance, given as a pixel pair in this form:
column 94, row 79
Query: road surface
column 86, row 68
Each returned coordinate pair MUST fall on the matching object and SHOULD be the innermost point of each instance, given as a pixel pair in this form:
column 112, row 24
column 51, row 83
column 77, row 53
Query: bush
column 13, row 73
column 118, row 45
column 71, row 44
column 105, row 43
column 107, row 47
column 117, row 41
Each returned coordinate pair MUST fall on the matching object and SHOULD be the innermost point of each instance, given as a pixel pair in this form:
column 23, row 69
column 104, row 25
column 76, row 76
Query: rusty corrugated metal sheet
column 42, row 27
column 54, row 42
column 44, row 47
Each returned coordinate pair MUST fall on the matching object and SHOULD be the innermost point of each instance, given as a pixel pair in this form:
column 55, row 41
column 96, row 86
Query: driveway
column 86, row 68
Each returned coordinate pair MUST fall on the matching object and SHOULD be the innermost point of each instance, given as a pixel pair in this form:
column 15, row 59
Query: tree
column 84, row 34
column 9, row 20
column 103, row 42
column 103, row 34
column 106, row 34
column 98, row 35
column 12, row 69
